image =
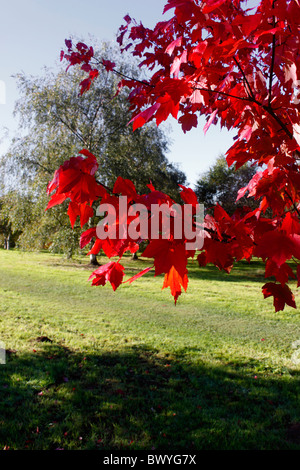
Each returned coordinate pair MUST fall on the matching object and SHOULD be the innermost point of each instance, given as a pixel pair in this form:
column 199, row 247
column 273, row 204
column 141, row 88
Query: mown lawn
column 89, row 368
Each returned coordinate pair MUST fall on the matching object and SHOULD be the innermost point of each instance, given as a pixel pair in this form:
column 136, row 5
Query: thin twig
column 243, row 98
column 107, row 188
column 294, row 205
column 250, row 92
column 271, row 70
column 282, row 125
column 123, row 75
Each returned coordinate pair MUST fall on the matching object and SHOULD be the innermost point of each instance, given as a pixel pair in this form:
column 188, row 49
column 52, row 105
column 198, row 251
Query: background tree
column 15, row 214
column 220, row 184
column 56, row 122
column 5, row 226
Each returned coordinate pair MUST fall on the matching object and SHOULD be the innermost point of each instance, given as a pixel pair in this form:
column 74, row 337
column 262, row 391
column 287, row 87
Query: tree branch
column 282, row 125
column 209, row 90
column 268, row 109
column 123, row 75
column 74, row 131
column 271, row 71
column 291, row 199
column 248, row 87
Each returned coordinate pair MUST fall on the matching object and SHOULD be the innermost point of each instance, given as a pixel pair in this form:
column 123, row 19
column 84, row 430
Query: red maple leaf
column 87, row 236
column 175, row 281
column 281, row 273
column 125, row 187
column 188, row 121
column 282, row 295
column 83, row 211
column 167, row 253
column 111, row 272
column 217, row 253
column 75, row 180
column 188, row 196
column 170, row 258
column 277, row 246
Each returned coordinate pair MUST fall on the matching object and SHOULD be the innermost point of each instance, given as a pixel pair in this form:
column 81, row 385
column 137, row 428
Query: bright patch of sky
column 32, row 35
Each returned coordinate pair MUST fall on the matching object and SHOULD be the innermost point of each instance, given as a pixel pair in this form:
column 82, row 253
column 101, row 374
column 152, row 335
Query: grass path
column 89, row 368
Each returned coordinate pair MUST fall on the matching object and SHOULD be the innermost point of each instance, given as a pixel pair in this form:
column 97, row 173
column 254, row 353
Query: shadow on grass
column 134, row 399
column 242, row 271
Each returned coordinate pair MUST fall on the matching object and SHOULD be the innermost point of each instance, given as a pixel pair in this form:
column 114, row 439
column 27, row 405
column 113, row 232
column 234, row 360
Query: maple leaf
column 144, row 116
column 109, row 66
column 196, row 54
column 278, row 247
column 111, row 272
column 154, row 197
column 210, row 121
column 173, row 44
column 87, row 236
column 290, row 224
column 282, row 295
column 217, row 253
column 167, row 253
column 85, row 85
column 188, row 196
column 83, row 211
column 248, row 23
column 170, row 258
column 126, row 188
column 175, row 4
column 178, row 61
column 188, row 121
column 75, row 180
column 167, row 107
column 175, row 281
column 211, row 5
column 107, row 245
column 281, row 273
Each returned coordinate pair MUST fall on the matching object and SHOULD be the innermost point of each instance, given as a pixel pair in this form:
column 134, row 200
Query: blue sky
column 32, row 34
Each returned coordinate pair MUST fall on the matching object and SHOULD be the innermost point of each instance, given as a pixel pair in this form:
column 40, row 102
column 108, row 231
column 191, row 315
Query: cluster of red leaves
column 83, row 55
column 240, row 67
column 75, row 180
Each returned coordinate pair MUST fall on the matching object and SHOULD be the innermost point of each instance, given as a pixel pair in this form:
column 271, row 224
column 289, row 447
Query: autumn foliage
column 236, row 65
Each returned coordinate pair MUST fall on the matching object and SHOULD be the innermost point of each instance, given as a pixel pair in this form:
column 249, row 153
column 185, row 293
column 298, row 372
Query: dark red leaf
column 282, row 295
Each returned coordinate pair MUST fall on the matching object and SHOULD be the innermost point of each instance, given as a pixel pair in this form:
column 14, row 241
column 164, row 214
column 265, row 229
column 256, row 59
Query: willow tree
column 55, row 121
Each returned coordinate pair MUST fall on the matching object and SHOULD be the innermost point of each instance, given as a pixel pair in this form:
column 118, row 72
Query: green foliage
column 220, row 184
column 14, row 213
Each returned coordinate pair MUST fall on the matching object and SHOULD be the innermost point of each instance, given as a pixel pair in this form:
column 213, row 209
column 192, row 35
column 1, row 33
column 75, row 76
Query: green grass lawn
column 89, row 368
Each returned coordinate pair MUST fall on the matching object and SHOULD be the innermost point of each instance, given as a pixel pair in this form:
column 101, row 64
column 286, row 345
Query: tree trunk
column 7, row 242
column 94, row 261
column 93, row 258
